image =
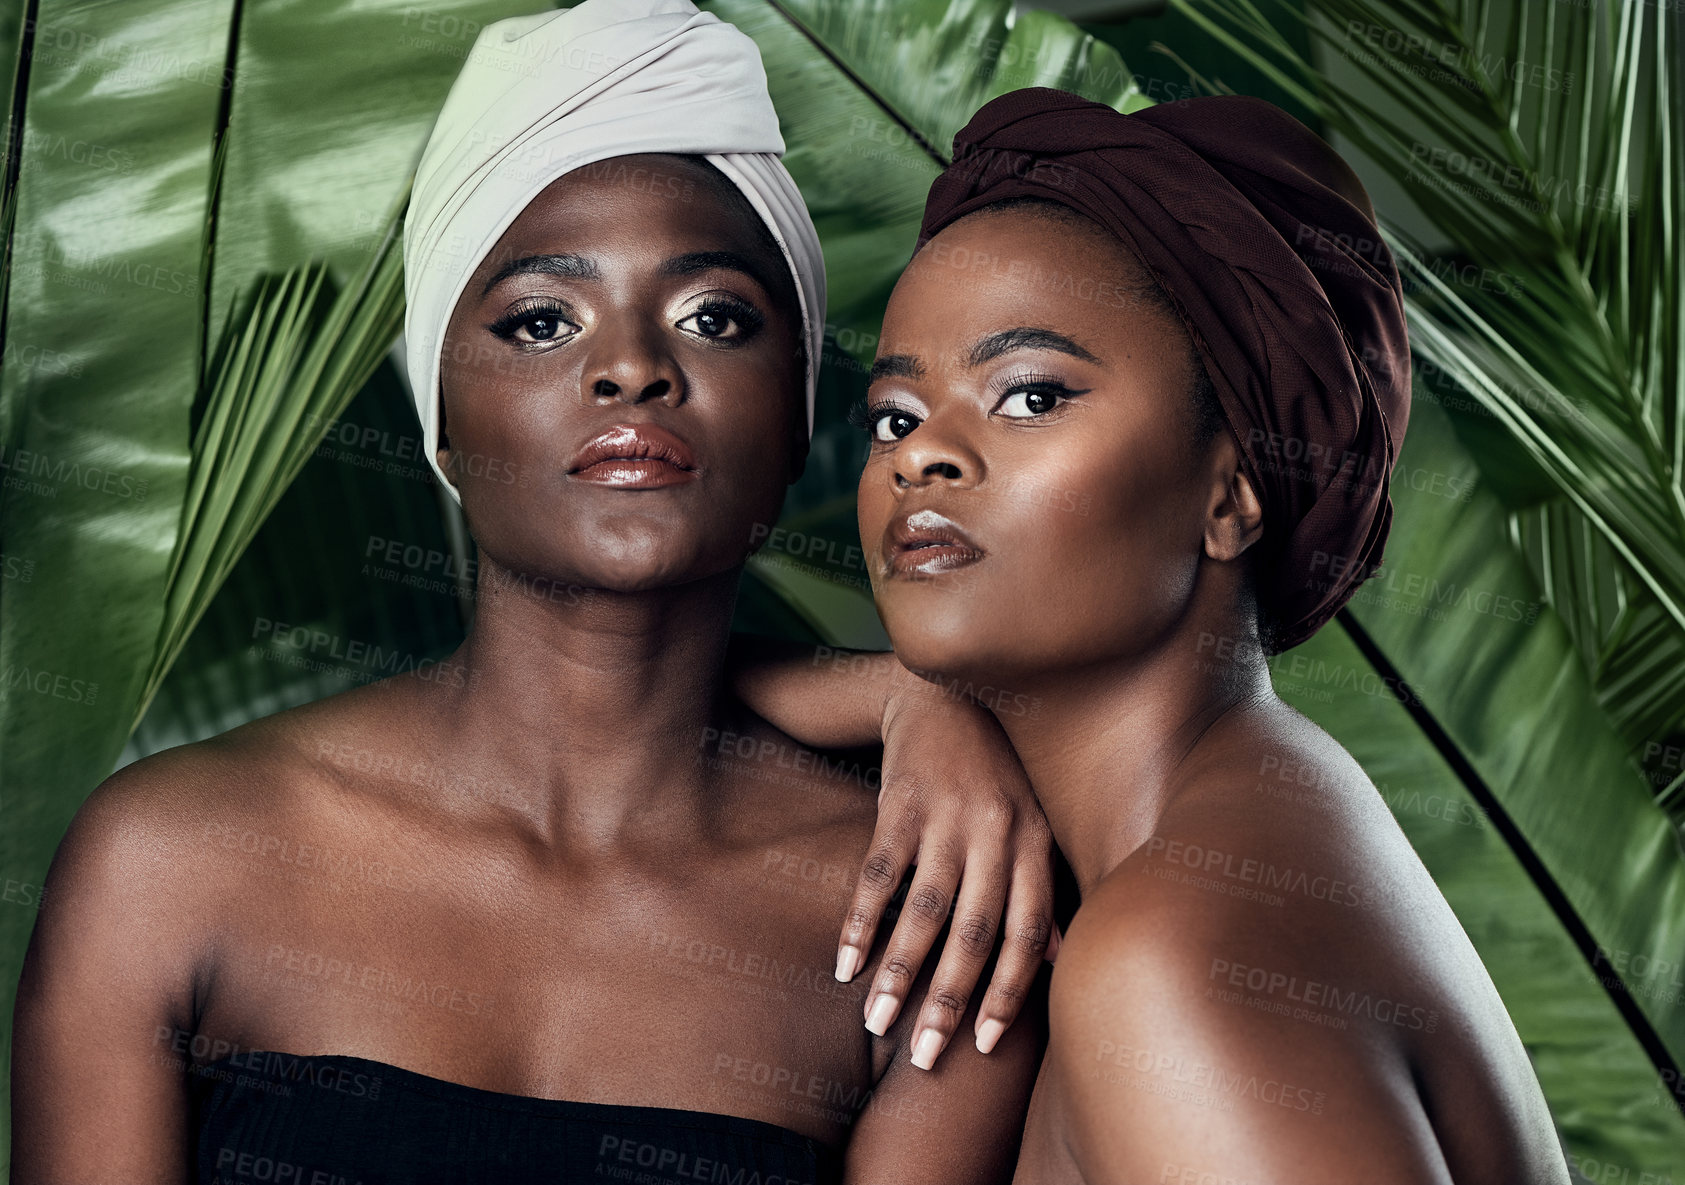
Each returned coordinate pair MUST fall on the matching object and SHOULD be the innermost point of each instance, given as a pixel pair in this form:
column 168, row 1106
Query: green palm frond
column 1540, row 140
column 286, row 374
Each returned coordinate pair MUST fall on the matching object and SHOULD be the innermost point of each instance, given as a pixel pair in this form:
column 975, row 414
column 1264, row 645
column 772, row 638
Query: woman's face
column 621, row 384
column 1035, row 497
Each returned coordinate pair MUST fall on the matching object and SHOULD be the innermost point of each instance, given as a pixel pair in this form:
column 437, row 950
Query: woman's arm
column 960, row 1124
column 98, row 1091
column 955, row 802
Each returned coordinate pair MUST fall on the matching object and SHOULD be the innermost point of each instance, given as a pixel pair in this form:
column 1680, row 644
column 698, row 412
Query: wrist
column 906, row 692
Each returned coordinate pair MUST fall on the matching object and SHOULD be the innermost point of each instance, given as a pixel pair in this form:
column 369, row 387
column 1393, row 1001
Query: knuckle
column 1034, row 934
column 946, row 999
column 913, row 790
column 1007, row 995
column 860, row 920
column 995, row 815
column 896, row 973
column 976, row 935
column 1036, row 832
column 879, row 871
column 928, row 904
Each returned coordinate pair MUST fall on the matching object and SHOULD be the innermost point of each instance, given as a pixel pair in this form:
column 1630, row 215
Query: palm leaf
column 1540, row 140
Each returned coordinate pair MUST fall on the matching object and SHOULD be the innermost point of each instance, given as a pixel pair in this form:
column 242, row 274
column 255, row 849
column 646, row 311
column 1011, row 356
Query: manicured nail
column 987, row 1034
column 925, row 1049
column 880, row 1014
column 848, row 962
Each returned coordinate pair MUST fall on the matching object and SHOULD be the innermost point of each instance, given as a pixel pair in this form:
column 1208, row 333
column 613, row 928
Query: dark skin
column 1125, row 610
column 542, row 824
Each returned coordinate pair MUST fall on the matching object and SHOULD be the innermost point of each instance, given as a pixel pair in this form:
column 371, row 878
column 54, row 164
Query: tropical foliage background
column 214, row 505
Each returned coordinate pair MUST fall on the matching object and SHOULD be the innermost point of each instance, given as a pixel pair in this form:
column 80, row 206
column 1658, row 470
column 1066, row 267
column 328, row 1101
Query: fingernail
column 880, row 1014
column 987, row 1034
column 848, row 962
column 925, row 1049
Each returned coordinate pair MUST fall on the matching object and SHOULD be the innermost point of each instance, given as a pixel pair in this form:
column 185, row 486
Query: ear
column 799, row 445
column 1234, row 518
column 443, row 453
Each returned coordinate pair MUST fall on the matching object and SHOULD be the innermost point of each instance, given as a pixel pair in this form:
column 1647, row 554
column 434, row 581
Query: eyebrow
column 908, row 366
column 1025, row 338
column 895, row 366
column 575, row 267
column 694, row 262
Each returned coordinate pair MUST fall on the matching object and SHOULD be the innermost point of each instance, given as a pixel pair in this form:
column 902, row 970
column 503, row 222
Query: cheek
column 1119, row 551
column 873, row 505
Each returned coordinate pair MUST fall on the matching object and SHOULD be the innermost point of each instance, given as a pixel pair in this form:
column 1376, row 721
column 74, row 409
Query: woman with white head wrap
column 558, row 908
column 549, row 93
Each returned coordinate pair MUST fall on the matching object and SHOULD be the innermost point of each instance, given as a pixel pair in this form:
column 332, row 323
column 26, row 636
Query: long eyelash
column 746, row 314
column 864, row 414
column 506, row 325
column 1043, row 383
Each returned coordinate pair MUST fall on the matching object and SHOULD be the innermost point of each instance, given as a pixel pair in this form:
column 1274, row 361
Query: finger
column 886, row 863
column 922, row 918
column 971, row 939
column 1054, row 938
column 1025, row 942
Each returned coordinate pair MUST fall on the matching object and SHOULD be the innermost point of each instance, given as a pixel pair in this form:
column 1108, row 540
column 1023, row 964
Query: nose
column 632, row 364
column 936, row 453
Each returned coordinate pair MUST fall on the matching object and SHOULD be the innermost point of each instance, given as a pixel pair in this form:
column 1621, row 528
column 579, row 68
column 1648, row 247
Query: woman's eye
column 1034, row 401
column 890, row 426
column 534, row 327
column 723, row 321
column 543, row 329
column 709, row 324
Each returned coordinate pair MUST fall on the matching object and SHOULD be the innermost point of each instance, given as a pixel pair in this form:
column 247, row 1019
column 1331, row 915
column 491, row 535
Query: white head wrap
column 542, row 95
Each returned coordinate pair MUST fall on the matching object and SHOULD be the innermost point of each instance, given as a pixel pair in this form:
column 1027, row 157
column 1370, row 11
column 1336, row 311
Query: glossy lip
column 925, row 543
column 635, row 457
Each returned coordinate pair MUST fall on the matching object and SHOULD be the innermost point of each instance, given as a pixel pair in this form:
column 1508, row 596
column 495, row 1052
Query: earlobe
column 1236, row 517
column 799, row 446
column 442, row 454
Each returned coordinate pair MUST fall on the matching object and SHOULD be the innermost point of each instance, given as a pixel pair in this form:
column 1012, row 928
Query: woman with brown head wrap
column 1133, row 417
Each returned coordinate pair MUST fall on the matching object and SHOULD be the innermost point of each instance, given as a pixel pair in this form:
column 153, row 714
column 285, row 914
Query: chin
column 934, row 635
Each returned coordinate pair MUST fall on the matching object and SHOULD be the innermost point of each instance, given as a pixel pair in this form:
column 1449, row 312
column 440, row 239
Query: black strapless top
column 285, row 1119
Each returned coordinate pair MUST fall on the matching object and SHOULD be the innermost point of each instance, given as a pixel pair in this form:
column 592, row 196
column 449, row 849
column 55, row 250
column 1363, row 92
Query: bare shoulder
column 1279, row 870
column 1272, row 986
column 149, row 843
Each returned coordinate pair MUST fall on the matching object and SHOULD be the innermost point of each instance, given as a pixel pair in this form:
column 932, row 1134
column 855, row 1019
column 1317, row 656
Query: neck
column 593, row 702
column 1109, row 742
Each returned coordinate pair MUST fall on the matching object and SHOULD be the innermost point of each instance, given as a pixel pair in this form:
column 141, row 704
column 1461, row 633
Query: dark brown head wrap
column 1266, row 243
